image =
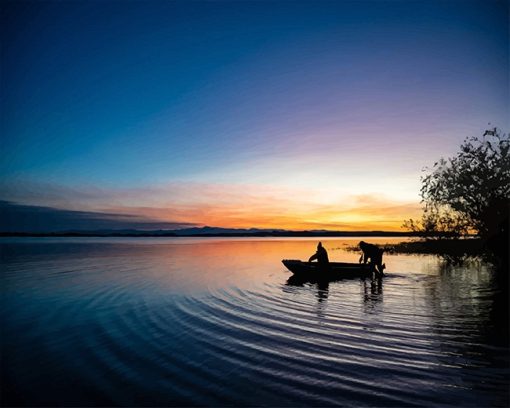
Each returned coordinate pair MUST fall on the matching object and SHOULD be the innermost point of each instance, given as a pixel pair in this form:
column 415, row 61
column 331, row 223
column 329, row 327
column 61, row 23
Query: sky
column 286, row 114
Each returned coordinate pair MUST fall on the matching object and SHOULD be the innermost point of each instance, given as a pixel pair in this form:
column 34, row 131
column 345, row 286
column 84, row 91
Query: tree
column 469, row 192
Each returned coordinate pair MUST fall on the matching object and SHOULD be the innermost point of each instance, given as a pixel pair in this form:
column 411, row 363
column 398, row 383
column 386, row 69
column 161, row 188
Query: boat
column 334, row 270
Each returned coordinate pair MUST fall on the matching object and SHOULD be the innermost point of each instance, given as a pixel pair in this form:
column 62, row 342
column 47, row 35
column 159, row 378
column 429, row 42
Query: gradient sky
column 244, row 114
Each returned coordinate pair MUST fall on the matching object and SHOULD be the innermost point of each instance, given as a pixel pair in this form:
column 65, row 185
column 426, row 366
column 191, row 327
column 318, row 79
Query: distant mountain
column 220, row 231
column 209, row 232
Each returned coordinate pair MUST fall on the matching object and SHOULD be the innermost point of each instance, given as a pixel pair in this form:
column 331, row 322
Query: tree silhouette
column 469, row 192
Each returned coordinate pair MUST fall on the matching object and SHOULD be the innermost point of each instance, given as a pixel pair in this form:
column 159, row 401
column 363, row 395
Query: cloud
column 29, row 218
column 180, row 204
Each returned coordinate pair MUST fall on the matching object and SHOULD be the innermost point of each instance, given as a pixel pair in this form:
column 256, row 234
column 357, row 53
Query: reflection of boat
column 335, row 270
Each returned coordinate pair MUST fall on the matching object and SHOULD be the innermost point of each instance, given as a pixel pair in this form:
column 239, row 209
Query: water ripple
column 111, row 332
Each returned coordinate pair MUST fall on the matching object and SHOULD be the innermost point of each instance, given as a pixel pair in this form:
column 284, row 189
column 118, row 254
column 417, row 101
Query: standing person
column 321, row 255
column 374, row 253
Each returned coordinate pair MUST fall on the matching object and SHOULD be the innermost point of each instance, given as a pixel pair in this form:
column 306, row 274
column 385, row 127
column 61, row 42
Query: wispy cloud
column 225, row 205
column 28, row 218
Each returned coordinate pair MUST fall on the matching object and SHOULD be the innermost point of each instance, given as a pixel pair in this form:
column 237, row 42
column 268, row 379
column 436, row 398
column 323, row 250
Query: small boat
column 335, row 270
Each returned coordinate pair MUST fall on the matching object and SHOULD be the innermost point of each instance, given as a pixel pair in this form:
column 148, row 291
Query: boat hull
column 334, row 270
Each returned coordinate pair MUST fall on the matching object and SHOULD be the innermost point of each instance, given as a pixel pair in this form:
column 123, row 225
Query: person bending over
column 374, row 254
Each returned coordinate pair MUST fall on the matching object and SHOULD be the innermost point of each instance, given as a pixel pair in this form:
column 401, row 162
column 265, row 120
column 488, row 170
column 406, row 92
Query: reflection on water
column 372, row 292
column 221, row 322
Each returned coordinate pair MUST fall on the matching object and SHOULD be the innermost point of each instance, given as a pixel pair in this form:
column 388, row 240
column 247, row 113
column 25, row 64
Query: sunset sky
column 296, row 115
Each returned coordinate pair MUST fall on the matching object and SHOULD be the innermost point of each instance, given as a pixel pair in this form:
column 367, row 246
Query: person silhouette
column 321, row 256
column 374, row 253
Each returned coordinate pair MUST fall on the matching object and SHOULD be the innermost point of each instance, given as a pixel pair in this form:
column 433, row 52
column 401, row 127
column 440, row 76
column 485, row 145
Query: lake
column 214, row 321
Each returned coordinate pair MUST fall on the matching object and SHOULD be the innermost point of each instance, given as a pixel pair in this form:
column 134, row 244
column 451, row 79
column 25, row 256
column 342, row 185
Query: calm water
column 214, row 322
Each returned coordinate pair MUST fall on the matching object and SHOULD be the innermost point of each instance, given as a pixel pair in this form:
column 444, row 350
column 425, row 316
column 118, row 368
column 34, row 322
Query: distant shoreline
column 153, row 234
column 449, row 247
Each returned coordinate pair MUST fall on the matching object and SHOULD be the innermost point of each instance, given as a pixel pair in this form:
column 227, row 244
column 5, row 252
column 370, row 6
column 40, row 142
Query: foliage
column 469, row 192
column 438, row 221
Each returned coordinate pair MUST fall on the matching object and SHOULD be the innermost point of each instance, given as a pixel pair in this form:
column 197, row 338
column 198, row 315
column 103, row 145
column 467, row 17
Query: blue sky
column 343, row 99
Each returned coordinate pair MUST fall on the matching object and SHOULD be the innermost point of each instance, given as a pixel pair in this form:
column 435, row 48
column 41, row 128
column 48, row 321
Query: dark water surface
column 214, row 322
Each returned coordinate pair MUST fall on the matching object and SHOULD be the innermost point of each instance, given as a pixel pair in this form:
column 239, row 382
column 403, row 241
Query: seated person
column 321, row 255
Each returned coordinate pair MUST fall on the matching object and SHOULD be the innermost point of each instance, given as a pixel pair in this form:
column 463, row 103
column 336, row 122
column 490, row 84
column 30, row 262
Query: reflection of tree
column 469, row 313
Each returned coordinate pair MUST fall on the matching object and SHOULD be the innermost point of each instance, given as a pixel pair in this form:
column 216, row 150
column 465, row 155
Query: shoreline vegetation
column 452, row 250
column 458, row 247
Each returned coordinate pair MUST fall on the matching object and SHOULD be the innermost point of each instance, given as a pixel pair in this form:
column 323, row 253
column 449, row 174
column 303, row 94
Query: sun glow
column 236, row 206
column 284, row 213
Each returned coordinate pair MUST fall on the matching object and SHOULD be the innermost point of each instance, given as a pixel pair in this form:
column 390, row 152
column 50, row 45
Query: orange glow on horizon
column 364, row 214
column 243, row 205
